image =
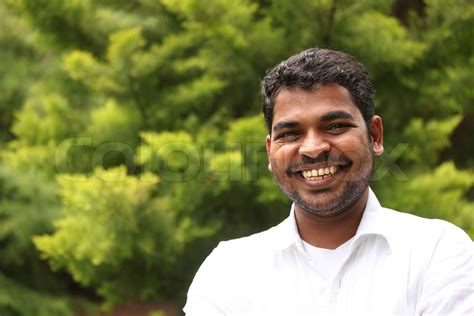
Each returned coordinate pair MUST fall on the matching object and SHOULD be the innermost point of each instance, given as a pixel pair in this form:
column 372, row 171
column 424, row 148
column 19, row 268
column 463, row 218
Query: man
column 339, row 252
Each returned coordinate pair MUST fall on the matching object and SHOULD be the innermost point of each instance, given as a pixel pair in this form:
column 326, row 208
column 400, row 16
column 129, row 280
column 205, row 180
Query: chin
column 332, row 205
column 321, row 210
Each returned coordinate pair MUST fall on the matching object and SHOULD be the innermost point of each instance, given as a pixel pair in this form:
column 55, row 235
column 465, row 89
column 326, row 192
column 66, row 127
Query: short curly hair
column 319, row 66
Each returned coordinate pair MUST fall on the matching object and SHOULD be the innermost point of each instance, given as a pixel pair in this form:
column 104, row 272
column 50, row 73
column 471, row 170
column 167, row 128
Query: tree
column 138, row 123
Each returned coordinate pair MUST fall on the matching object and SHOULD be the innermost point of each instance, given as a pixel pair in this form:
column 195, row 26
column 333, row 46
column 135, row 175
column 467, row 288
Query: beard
column 351, row 193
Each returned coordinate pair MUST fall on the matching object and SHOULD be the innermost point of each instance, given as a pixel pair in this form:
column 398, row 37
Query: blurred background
column 132, row 140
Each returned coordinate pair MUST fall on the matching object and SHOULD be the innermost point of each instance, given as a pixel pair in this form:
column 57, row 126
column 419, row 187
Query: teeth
column 319, row 174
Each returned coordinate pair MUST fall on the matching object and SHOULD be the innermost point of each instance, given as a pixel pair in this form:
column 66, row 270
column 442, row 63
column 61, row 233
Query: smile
column 319, row 174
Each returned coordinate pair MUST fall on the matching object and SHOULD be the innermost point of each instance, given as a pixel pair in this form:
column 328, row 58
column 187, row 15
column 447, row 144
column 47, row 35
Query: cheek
column 360, row 156
column 283, row 155
column 351, row 145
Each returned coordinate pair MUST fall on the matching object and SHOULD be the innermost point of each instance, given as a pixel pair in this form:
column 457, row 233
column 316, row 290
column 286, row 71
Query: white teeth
column 314, row 174
column 319, row 174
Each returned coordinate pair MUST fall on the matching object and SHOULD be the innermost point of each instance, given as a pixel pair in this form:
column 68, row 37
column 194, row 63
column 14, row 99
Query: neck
column 331, row 232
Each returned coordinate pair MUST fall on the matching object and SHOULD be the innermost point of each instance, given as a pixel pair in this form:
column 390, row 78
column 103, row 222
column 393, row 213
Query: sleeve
column 202, row 298
column 448, row 286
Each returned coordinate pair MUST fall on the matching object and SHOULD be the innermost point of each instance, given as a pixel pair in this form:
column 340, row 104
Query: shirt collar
column 373, row 222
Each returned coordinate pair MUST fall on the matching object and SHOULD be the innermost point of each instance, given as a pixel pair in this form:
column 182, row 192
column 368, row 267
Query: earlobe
column 269, row 167
column 377, row 148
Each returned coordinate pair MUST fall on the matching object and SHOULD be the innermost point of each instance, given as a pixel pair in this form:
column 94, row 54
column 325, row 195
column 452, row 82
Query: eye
column 339, row 127
column 288, row 135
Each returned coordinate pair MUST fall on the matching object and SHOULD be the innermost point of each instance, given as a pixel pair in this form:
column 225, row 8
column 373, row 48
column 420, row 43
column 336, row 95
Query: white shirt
column 398, row 264
column 327, row 262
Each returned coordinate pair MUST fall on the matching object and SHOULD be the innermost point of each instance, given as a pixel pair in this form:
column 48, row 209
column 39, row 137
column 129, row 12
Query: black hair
column 319, row 66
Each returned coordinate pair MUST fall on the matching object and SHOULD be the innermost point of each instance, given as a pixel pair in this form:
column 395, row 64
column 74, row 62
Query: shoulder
column 242, row 256
column 231, row 261
column 413, row 223
column 250, row 246
column 439, row 256
column 408, row 229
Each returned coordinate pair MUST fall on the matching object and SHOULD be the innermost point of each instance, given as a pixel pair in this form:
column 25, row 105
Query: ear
column 376, row 134
column 268, row 144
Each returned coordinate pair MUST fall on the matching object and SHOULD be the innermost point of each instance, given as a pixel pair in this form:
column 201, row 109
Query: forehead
column 299, row 104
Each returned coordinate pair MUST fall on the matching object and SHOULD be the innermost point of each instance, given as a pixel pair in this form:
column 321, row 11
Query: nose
column 313, row 145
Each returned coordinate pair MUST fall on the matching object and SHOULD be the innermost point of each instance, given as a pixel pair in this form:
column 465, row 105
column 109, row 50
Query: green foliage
column 385, row 42
column 27, row 208
column 18, row 300
column 247, row 135
column 157, row 313
column 19, row 156
column 113, row 123
column 100, row 99
column 113, row 130
column 21, row 56
column 110, row 225
column 246, row 130
column 439, row 194
column 43, row 120
column 428, row 139
column 83, row 67
column 26, row 204
column 66, row 23
column 169, row 154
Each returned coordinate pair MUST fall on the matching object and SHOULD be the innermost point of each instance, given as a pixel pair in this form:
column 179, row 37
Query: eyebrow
column 285, row 124
column 325, row 118
column 334, row 115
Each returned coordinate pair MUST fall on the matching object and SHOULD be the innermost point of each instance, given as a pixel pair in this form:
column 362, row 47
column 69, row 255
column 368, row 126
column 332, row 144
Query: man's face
column 319, row 150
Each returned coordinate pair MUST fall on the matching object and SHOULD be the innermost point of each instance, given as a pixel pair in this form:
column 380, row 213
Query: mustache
column 324, row 157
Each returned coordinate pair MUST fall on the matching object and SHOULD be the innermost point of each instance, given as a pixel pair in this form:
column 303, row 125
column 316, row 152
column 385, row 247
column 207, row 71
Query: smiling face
column 319, row 148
